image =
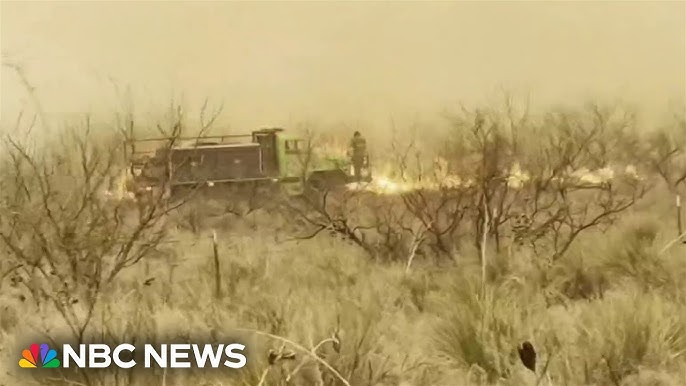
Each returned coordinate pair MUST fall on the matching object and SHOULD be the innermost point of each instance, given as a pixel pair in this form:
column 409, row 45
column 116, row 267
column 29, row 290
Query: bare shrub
column 69, row 236
column 559, row 172
column 665, row 154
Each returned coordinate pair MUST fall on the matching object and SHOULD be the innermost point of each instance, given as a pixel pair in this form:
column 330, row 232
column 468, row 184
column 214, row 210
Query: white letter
column 93, row 354
column 175, row 356
column 215, row 356
column 242, row 360
column 118, row 361
column 68, row 352
column 161, row 358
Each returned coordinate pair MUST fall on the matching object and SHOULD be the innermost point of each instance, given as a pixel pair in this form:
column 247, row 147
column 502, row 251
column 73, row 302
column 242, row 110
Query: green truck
column 264, row 156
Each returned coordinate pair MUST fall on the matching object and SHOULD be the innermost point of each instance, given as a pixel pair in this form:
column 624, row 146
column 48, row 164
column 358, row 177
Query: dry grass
column 431, row 328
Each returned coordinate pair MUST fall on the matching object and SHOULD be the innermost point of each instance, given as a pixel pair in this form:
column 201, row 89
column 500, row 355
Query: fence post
column 680, row 226
column 217, row 273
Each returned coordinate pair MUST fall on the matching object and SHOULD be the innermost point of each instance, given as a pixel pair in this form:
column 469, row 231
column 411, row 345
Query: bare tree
column 577, row 179
column 666, row 155
column 482, row 151
column 68, row 237
column 562, row 172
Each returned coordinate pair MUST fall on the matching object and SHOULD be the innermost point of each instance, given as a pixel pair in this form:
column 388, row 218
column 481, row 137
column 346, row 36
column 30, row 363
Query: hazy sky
column 278, row 63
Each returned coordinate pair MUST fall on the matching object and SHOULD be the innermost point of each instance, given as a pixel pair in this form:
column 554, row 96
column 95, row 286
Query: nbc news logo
column 165, row 356
column 31, row 359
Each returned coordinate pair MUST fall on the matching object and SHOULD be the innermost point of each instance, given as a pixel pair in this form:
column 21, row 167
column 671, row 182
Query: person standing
column 358, row 155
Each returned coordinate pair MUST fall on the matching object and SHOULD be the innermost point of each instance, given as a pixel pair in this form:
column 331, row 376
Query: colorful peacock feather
column 39, row 356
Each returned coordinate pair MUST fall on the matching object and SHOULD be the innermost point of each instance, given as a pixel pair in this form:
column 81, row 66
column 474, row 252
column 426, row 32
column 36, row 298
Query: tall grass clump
column 481, row 333
column 628, row 333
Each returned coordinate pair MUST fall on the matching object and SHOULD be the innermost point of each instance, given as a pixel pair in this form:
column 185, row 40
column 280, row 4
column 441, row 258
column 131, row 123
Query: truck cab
column 292, row 159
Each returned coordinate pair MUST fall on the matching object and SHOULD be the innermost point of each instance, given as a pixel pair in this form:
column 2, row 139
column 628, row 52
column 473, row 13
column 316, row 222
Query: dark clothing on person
column 358, row 146
column 358, row 155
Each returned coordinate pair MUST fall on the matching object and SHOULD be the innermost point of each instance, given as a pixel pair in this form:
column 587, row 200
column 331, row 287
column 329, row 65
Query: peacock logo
column 48, row 357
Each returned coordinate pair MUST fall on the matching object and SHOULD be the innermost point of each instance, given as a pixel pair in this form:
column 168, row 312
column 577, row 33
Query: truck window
column 293, row 146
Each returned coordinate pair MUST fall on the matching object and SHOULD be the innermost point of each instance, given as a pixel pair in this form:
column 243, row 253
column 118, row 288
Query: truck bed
column 216, row 163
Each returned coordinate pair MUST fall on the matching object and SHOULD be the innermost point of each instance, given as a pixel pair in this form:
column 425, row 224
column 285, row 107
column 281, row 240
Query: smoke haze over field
column 280, row 63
